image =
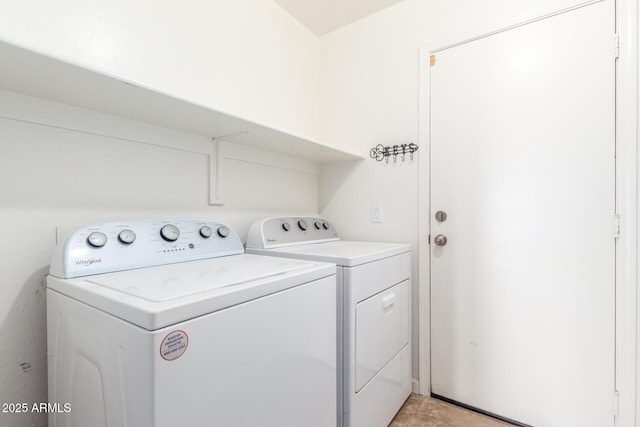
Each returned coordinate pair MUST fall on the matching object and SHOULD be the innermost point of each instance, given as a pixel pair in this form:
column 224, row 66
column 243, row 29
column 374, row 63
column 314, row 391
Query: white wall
column 369, row 87
column 245, row 57
column 370, row 95
column 63, row 167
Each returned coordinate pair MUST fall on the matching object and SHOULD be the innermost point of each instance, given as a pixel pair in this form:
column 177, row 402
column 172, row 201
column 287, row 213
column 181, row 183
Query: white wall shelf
column 31, row 73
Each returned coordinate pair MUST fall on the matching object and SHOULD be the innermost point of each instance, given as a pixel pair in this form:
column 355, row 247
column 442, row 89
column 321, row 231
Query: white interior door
column 522, row 163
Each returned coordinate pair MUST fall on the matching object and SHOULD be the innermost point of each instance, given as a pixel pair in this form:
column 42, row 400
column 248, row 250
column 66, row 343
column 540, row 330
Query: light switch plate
column 377, row 212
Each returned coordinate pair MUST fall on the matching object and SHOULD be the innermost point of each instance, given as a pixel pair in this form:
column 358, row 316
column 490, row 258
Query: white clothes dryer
column 374, row 312
column 164, row 324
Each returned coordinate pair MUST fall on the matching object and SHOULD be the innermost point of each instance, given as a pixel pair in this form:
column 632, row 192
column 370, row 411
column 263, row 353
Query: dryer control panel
column 287, row 231
column 125, row 245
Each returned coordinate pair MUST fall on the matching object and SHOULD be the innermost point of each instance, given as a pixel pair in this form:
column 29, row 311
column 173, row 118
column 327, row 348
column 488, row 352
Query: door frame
column 627, row 184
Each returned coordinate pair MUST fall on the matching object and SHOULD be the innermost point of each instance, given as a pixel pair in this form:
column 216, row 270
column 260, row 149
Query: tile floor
column 422, row 411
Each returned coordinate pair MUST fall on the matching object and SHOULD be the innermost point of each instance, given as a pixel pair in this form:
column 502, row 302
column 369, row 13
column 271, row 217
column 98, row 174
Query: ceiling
column 324, row 16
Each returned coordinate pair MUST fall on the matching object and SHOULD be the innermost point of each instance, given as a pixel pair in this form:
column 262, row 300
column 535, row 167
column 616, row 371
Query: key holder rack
column 380, row 152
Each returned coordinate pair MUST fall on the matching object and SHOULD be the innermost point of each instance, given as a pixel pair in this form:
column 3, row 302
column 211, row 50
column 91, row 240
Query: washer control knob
column 205, row 231
column 325, row 225
column 97, row 239
column 127, row 236
column 286, row 226
column 223, row 231
column 317, row 224
column 302, row 224
column 170, row 232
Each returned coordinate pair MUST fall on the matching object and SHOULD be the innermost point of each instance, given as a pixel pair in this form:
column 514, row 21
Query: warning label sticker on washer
column 174, row 345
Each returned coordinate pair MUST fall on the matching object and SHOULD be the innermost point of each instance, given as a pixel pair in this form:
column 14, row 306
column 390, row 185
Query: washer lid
column 159, row 296
column 343, row 253
column 170, row 282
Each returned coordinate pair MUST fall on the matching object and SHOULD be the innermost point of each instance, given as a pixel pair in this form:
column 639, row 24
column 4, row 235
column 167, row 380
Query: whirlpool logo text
column 88, row 262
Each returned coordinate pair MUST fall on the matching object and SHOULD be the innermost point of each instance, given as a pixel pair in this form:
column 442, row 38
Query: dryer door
column 382, row 330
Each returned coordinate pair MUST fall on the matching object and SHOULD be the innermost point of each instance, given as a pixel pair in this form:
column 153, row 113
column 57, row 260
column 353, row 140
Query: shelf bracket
column 216, row 168
column 216, row 175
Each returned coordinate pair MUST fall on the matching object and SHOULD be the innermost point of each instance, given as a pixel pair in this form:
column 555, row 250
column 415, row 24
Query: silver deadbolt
column 440, row 240
column 441, row 216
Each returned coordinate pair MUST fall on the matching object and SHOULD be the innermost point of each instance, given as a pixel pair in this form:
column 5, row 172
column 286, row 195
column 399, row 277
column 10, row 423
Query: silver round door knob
column 440, row 240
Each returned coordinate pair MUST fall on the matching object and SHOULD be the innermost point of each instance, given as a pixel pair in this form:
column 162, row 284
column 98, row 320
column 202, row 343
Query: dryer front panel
column 382, row 330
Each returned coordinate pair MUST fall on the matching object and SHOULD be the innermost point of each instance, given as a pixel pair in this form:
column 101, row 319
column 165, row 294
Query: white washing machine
column 164, row 324
column 374, row 311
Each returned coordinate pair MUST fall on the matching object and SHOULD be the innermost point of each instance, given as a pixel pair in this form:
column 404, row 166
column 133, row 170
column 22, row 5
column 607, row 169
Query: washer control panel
column 289, row 231
column 117, row 246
